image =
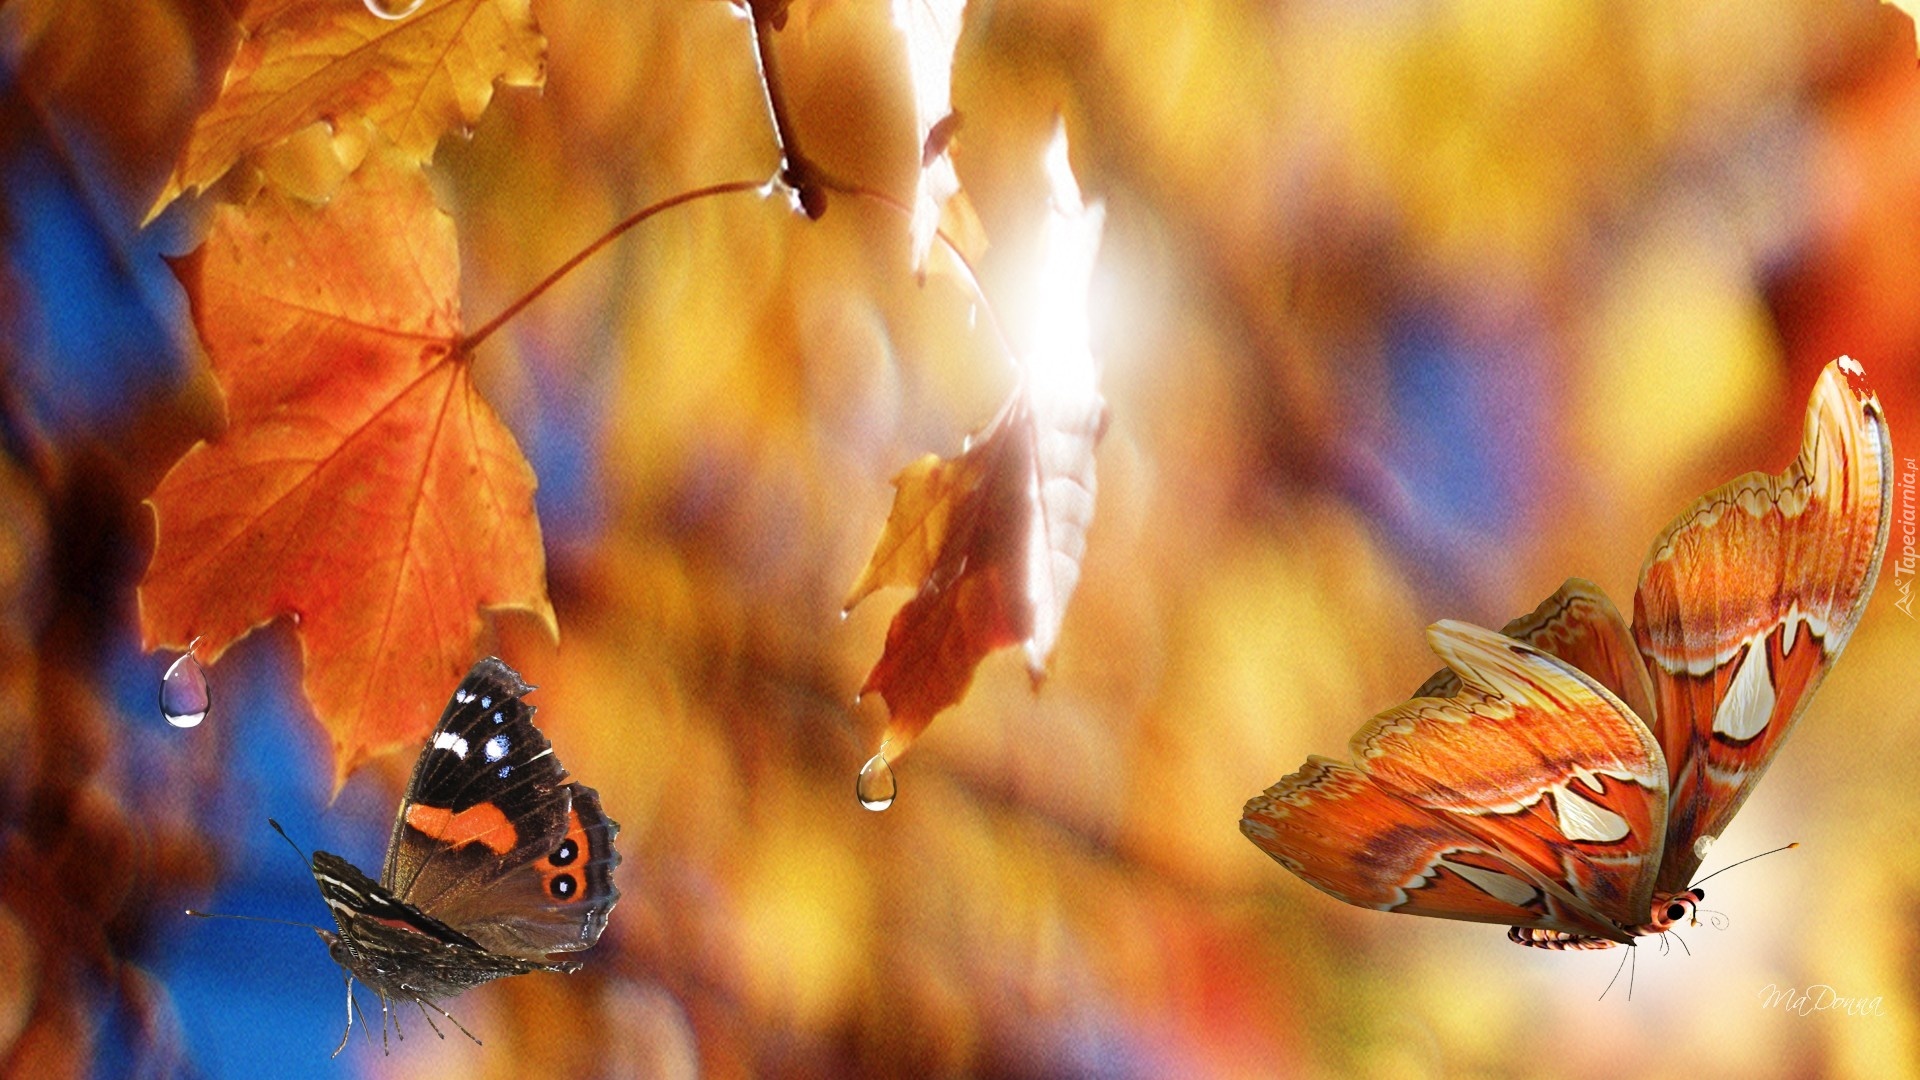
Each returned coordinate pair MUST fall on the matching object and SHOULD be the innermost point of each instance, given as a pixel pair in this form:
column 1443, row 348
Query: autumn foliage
column 362, row 486
column 365, row 490
column 1393, row 313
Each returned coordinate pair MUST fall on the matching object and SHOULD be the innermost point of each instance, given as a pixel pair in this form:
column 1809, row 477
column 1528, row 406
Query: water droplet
column 875, row 787
column 394, row 10
column 185, row 696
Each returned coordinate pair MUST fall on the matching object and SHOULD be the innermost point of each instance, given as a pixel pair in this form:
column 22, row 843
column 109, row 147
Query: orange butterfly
column 1566, row 775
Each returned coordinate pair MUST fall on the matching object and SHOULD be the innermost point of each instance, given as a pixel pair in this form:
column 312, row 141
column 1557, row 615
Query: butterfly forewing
column 492, row 838
column 1748, row 597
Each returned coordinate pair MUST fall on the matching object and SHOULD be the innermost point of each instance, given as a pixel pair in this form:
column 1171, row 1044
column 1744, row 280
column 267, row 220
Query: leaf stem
column 972, row 276
column 472, row 341
column 796, row 169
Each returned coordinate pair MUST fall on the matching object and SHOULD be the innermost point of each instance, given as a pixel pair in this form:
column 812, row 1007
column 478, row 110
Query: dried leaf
column 994, row 537
column 302, row 61
column 932, row 29
column 363, row 487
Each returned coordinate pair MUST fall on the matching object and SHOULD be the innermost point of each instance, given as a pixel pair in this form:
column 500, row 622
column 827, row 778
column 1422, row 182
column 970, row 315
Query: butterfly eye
column 567, row 852
column 1699, row 895
column 1674, row 911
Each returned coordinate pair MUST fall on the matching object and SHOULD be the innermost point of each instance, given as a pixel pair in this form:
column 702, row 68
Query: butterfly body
column 1567, row 774
column 497, row 860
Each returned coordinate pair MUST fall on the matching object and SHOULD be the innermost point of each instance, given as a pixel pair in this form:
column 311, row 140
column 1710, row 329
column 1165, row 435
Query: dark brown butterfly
column 497, row 861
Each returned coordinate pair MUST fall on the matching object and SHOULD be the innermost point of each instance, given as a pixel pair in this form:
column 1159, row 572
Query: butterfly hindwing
column 1579, row 625
column 1747, row 598
column 1536, row 759
column 490, row 824
column 558, row 902
column 1349, row 837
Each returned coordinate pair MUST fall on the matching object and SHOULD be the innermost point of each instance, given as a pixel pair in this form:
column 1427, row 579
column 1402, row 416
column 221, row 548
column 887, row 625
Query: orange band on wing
column 482, row 822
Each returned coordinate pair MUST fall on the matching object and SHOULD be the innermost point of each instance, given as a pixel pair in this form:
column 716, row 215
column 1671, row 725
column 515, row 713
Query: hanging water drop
column 393, row 10
column 185, row 696
column 875, row 787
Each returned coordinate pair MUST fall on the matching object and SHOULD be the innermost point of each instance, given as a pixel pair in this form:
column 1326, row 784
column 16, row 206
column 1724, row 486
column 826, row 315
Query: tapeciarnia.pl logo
column 1903, row 562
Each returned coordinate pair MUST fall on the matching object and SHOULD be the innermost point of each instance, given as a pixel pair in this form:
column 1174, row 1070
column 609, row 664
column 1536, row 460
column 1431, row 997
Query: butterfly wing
column 1354, row 840
column 1748, row 597
column 1530, row 774
column 492, row 838
column 1581, row 626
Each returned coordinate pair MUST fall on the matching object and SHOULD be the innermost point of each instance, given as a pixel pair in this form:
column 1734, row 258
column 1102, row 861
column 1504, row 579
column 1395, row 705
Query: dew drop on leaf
column 875, row 786
column 185, row 696
column 393, row 9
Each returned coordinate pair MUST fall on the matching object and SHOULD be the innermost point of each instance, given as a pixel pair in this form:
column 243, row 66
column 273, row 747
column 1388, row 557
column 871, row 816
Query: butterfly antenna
column 1744, row 862
column 296, row 847
column 1633, row 971
column 252, row 918
column 1616, row 974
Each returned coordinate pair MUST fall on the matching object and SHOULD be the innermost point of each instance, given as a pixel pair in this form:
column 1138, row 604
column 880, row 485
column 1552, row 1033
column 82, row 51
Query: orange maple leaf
column 302, row 61
column 363, row 487
column 993, row 538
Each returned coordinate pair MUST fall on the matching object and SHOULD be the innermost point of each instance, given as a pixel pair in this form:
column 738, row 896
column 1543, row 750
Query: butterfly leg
column 436, row 1008
column 348, row 1031
column 427, row 1018
column 1616, row 978
column 365, row 1033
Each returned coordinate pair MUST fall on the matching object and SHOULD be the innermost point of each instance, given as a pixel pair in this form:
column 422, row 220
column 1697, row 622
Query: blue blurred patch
column 560, row 430
column 93, row 297
column 248, row 993
column 1448, row 448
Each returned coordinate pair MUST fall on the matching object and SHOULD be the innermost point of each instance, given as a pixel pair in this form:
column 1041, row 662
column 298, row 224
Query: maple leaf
column 932, row 30
column 362, row 487
column 993, row 538
column 302, row 61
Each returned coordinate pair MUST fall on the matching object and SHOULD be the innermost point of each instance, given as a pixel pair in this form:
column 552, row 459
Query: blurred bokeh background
column 1409, row 309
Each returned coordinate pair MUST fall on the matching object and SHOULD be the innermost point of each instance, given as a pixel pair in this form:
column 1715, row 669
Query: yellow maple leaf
column 302, row 61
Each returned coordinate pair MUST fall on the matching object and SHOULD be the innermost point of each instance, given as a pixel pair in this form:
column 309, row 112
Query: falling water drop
column 393, row 9
column 875, row 786
column 185, row 696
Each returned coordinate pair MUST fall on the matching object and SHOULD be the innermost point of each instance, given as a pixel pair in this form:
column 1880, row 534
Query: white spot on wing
column 486, row 702
column 1848, row 363
column 1581, row 818
column 1748, row 706
column 447, row 740
column 1702, row 846
column 1495, row 884
column 497, row 747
